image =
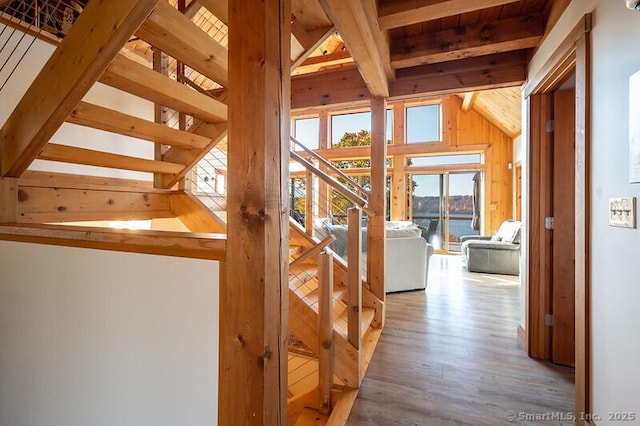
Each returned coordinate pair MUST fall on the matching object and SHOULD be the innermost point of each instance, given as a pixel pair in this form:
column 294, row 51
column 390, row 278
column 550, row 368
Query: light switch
column 622, row 212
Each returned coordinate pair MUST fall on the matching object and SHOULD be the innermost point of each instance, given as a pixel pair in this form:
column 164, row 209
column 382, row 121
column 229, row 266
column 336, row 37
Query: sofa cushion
column 402, row 229
column 509, row 232
column 404, row 233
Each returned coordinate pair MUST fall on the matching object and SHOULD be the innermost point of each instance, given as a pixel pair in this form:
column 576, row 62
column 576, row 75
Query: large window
column 357, row 125
column 347, row 127
column 307, row 131
column 423, row 124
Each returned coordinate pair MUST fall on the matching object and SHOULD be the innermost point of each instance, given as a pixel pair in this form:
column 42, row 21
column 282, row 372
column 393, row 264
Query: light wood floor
column 450, row 356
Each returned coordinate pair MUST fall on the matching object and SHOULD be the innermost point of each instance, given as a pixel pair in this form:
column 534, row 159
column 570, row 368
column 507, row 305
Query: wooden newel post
column 354, row 223
column 376, row 242
column 325, row 330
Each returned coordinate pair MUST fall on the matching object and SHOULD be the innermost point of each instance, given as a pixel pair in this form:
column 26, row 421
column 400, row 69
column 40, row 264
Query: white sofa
column 408, row 254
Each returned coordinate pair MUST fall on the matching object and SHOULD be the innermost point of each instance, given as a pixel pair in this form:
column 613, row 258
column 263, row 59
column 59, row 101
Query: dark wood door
column 563, row 330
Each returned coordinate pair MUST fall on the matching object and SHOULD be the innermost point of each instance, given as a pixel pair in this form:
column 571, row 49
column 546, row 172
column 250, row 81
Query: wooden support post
column 254, row 300
column 326, row 359
column 161, row 65
column 398, row 178
column 8, row 200
column 308, row 204
column 354, row 223
column 376, row 246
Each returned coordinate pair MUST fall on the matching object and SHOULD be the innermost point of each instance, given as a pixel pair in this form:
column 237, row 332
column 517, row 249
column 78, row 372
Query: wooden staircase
column 28, row 133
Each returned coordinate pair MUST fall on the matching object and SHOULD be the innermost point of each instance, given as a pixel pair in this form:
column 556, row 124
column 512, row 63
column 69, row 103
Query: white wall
column 70, row 134
column 615, row 287
column 100, row 338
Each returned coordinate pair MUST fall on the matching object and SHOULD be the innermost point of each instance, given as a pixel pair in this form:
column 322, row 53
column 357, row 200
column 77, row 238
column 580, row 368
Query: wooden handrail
column 331, row 167
column 342, row 189
column 312, row 251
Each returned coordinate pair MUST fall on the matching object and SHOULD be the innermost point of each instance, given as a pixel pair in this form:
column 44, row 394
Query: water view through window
column 442, row 205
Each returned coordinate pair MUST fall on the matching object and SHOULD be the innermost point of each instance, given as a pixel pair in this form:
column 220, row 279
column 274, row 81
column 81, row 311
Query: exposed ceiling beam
column 131, row 77
column 219, row 9
column 100, row 32
column 192, row 9
column 400, row 13
column 316, row 63
column 310, row 40
column 173, row 33
column 353, row 19
column 98, row 117
column 309, row 14
column 346, row 85
column 468, row 100
column 473, row 40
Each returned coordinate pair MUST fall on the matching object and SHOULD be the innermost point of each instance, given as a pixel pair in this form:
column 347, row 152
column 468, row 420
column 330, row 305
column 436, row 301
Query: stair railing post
column 308, row 204
column 354, row 251
column 325, row 330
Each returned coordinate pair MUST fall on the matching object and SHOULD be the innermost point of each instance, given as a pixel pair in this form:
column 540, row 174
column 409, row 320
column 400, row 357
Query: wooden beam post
column 377, row 199
column 398, row 178
column 98, row 34
column 254, row 300
column 326, row 358
column 8, row 200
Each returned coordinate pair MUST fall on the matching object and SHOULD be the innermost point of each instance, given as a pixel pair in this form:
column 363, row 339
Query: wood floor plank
column 450, row 355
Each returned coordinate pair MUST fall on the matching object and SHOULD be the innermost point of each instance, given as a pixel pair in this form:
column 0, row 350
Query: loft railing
column 208, row 180
column 26, row 20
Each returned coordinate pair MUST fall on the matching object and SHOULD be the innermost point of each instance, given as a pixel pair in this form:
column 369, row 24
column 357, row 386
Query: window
column 351, row 129
column 440, row 160
column 423, row 124
column 307, row 132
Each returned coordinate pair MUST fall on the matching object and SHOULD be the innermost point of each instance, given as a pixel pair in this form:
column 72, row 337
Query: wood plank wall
column 473, row 129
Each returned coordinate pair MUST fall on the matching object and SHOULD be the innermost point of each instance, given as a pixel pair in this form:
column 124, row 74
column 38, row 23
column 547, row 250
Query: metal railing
column 26, row 20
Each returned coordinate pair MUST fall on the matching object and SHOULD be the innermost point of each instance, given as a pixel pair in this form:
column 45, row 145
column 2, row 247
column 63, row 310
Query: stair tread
column 302, row 275
column 340, row 324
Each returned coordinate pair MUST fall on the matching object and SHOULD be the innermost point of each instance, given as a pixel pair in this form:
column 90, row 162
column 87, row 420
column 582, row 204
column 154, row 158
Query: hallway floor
column 450, row 356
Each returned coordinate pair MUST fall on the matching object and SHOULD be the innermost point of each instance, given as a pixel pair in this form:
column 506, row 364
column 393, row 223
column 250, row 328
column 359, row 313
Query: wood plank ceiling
column 427, row 47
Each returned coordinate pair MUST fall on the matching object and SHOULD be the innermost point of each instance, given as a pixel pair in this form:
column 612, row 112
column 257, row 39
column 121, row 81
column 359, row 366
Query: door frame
column 573, row 55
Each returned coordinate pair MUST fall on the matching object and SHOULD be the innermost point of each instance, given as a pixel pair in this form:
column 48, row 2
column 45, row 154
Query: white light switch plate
column 622, row 212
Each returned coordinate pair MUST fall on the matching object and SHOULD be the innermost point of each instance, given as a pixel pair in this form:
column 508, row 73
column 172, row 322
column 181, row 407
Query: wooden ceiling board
column 502, row 107
column 491, row 14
